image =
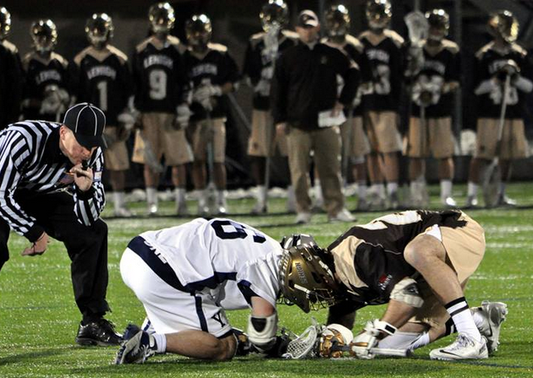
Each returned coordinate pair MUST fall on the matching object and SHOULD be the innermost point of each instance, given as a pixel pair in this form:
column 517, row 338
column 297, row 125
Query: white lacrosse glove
column 332, row 340
column 127, row 119
column 204, row 93
column 183, row 114
column 362, row 344
column 55, row 100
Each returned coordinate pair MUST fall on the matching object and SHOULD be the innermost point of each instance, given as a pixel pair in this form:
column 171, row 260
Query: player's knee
column 415, row 254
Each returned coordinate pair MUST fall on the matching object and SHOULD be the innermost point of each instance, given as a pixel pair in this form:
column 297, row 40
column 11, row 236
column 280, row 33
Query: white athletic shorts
column 170, row 310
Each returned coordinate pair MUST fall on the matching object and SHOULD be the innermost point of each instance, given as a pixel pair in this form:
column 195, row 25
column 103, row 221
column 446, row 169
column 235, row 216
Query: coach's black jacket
column 305, row 83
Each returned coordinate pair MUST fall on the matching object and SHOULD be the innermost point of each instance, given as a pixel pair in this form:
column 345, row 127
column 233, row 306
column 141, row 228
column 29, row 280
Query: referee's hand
column 38, row 247
column 83, row 178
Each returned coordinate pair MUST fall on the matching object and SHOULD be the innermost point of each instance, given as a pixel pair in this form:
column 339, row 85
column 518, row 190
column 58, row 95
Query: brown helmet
column 5, row 23
column 337, row 21
column 162, row 18
column 378, row 13
column 275, row 12
column 44, row 35
column 503, row 24
column 305, row 279
column 439, row 24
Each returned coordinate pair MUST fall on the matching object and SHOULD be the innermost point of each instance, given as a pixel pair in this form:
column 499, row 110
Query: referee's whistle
column 84, row 164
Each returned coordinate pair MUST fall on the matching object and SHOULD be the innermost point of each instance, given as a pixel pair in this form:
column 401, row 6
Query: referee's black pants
column 86, row 246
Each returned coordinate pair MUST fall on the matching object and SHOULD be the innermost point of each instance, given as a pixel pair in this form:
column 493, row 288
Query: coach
column 306, row 104
column 50, row 184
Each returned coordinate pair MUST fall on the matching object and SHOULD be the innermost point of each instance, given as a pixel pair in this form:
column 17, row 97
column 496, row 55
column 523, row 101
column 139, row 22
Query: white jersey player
column 187, row 276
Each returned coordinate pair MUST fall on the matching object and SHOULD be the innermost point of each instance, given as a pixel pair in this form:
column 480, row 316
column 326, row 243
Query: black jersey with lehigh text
column 40, row 74
column 215, row 67
column 158, row 74
column 440, row 68
column 105, row 80
column 10, row 83
column 369, row 258
column 383, row 81
column 488, row 63
column 259, row 64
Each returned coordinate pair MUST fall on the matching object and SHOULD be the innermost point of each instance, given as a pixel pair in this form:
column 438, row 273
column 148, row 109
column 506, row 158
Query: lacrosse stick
column 418, row 28
column 210, row 159
column 493, row 175
column 149, row 156
column 347, row 146
column 424, row 140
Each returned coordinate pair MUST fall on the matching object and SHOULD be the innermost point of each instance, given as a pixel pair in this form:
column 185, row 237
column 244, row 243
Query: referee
column 51, row 184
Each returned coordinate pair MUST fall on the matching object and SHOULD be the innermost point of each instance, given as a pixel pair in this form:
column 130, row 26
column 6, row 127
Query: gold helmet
column 5, row 23
column 44, row 35
column 505, row 25
column 305, row 279
column 378, row 13
column 275, row 12
column 99, row 29
column 162, row 18
column 439, row 24
column 337, row 21
column 198, row 30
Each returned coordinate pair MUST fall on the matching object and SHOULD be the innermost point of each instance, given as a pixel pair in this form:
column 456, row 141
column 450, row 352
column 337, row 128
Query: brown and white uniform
column 369, row 259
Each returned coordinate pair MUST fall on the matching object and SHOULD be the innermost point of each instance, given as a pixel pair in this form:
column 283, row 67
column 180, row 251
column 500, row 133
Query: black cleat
column 100, row 332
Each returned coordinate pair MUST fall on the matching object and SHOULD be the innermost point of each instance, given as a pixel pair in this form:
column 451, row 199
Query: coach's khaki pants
column 326, row 145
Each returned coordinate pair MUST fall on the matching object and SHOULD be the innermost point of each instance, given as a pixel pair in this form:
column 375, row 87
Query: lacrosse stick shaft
column 269, row 140
column 347, row 146
column 210, row 151
column 383, row 351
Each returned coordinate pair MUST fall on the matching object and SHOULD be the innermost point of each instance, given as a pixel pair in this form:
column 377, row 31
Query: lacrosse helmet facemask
column 44, row 36
column 504, row 25
column 439, row 24
column 162, row 18
column 378, row 14
column 337, row 22
column 274, row 14
column 199, row 32
column 99, row 29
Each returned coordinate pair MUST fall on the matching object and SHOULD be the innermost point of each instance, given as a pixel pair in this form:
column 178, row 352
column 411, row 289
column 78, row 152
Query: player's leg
column 281, row 143
column 219, row 166
column 4, row 237
column 116, row 161
column 374, row 162
column 257, row 151
column 442, row 148
column 199, row 170
column 360, row 148
column 417, row 151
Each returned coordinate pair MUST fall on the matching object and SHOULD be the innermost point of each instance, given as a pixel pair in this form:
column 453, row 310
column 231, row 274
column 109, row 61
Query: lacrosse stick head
column 503, row 24
column 275, row 13
column 378, row 14
column 44, row 35
column 417, row 26
column 337, row 21
column 5, row 23
column 439, row 24
column 305, row 279
column 304, row 345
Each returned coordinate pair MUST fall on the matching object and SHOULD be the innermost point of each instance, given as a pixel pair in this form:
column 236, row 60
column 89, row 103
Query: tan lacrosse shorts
column 201, row 136
column 354, row 138
column 382, row 131
column 514, row 143
column 434, row 139
column 116, row 155
column 263, row 134
column 164, row 140
column 465, row 247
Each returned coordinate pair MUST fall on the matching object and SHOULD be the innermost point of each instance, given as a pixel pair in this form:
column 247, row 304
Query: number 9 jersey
column 158, row 75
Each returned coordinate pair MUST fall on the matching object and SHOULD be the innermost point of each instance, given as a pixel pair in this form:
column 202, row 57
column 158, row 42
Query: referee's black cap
column 88, row 123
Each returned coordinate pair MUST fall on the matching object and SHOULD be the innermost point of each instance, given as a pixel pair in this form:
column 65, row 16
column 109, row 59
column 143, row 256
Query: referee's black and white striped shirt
column 30, row 159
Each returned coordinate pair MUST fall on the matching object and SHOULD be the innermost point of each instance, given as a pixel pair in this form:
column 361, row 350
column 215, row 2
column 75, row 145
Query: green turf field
column 39, row 318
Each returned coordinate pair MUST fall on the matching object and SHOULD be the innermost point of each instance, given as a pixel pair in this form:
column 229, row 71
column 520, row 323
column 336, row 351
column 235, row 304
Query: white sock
column 119, row 198
column 400, row 340
column 501, row 189
column 221, row 197
column 472, row 189
column 462, row 318
column 380, row 190
column 179, row 195
column 202, row 200
column 160, row 342
column 422, row 340
column 261, row 193
column 151, row 195
column 445, row 188
column 318, row 190
column 361, row 189
column 392, row 187
column 478, row 318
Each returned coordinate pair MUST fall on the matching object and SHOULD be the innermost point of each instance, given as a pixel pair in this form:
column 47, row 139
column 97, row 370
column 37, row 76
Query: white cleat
column 343, row 216
column 463, row 348
column 259, row 208
column 303, row 218
column 181, row 209
column 449, row 203
column 152, row 209
column 493, row 314
column 123, row 212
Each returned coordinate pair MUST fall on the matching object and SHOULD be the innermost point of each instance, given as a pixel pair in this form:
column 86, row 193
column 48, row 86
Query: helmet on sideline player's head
column 305, row 279
column 5, row 23
column 162, row 18
column 503, row 24
column 439, row 24
column 337, row 21
column 275, row 12
column 99, row 29
column 44, row 35
column 378, row 14
column 198, row 29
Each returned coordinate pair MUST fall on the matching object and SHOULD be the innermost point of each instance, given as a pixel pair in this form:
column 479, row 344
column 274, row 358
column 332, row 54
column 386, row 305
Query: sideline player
column 261, row 53
column 188, row 276
column 159, row 95
column 49, row 78
column 10, row 74
column 105, row 79
column 212, row 73
column 355, row 142
column 430, row 134
column 494, row 62
column 381, row 95
column 418, row 262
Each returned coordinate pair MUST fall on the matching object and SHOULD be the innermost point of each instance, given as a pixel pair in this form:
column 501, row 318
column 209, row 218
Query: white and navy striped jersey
column 30, row 159
column 229, row 260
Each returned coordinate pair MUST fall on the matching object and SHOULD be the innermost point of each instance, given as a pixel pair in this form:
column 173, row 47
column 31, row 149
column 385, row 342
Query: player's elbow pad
column 523, row 84
column 406, row 291
column 262, row 331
